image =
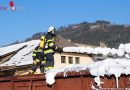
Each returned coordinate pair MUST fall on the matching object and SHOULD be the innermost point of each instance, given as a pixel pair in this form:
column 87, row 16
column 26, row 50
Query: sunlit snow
column 109, row 66
column 121, row 51
column 23, row 57
column 97, row 69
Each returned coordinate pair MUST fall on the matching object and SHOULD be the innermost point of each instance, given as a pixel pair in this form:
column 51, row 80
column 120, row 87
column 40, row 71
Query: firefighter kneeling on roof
column 38, row 57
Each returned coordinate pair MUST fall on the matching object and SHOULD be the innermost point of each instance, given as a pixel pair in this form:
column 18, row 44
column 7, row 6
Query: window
column 77, row 60
column 63, row 59
column 70, row 60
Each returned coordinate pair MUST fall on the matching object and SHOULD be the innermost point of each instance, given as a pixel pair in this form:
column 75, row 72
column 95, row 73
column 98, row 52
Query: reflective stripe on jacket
column 50, row 45
column 37, row 53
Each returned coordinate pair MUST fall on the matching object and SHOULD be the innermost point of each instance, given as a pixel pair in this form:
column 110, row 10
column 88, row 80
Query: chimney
column 69, row 40
column 103, row 44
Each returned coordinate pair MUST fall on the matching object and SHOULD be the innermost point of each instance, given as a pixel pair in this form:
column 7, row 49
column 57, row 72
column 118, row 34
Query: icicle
column 117, row 82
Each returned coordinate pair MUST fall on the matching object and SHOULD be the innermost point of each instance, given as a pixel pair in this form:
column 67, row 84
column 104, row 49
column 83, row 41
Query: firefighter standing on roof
column 38, row 57
column 50, row 48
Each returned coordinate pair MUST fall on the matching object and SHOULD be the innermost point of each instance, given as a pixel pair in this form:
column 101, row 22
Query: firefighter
column 38, row 57
column 50, row 48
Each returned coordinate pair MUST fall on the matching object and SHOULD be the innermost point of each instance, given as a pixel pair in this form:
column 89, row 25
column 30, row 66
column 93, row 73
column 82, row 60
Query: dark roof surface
column 62, row 42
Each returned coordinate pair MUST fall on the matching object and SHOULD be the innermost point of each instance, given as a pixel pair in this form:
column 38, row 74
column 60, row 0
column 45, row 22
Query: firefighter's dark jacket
column 38, row 53
column 50, row 46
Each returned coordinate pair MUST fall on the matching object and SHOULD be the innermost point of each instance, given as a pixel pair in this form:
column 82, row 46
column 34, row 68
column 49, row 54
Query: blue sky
column 32, row 16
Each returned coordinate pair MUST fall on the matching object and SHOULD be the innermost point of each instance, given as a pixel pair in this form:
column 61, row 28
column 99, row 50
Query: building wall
column 83, row 59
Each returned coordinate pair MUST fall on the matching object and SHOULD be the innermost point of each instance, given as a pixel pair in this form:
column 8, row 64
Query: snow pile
column 123, row 50
column 101, row 68
column 50, row 75
column 111, row 66
column 23, row 57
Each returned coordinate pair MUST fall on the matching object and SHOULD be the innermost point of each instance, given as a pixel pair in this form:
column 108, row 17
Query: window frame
column 70, row 60
column 77, row 58
column 63, row 60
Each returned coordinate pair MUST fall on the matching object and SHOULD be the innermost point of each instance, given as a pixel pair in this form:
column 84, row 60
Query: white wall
column 84, row 59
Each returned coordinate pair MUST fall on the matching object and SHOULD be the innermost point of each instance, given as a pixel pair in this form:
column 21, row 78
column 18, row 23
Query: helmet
column 51, row 29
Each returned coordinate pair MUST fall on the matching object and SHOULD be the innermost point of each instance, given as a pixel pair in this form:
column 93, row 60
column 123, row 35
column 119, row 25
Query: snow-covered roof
column 8, row 49
column 123, row 50
column 23, row 57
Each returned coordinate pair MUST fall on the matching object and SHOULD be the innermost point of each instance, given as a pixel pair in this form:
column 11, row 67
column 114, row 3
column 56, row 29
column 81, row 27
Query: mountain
column 93, row 33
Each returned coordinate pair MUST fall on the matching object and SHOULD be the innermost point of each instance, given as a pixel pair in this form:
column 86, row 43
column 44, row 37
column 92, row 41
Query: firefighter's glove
column 43, row 62
column 60, row 50
column 38, row 60
column 35, row 62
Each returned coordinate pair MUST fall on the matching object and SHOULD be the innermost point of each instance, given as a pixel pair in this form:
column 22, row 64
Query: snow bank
column 101, row 68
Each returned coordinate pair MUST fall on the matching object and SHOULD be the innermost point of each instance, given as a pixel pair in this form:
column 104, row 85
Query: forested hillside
column 94, row 33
